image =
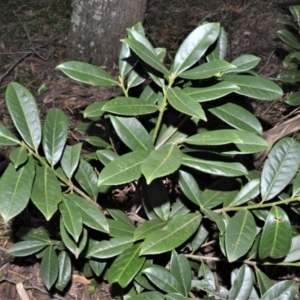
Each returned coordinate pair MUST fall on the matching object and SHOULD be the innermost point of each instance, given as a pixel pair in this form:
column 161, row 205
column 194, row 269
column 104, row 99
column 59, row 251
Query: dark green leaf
column 244, row 63
column 148, row 227
column 164, row 280
column 26, row 248
column 126, row 266
column 255, row 87
column 132, row 133
column 64, row 271
column 294, row 99
column 15, row 187
column 87, row 73
column 175, row 233
column 240, row 234
column 194, row 46
column 6, row 137
column 294, row 252
column 161, row 162
column 123, row 169
column 264, row 282
column 18, row 156
column 70, row 159
column 180, row 268
column 189, row 187
column 46, row 191
column 280, row 167
column 49, row 267
column 110, row 248
column 214, row 167
column 71, row 217
column 87, row 178
column 212, row 92
column 55, row 132
column 276, row 236
column 231, row 114
column 94, row 110
column 24, row 113
column 129, row 106
column 284, row 290
column 184, row 103
column 287, row 37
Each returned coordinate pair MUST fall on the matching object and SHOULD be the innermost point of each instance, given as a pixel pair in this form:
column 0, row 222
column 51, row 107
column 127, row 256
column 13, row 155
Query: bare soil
column 32, row 42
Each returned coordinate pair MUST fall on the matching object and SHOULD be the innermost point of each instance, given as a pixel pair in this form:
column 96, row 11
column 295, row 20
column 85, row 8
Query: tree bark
column 97, row 27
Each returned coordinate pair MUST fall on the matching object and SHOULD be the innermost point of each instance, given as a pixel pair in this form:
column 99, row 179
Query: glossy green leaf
column 6, row 137
column 87, row 178
column 199, row 238
column 120, row 229
column 71, row 217
column 148, row 227
column 126, row 266
column 46, row 192
column 64, row 271
column 287, row 37
column 164, row 280
column 289, row 76
column 214, row 137
column 243, row 284
column 189, row 187
column 180, row 268
column 214, row 167
column 294, row 252
column 280, row 167
column 207, row 70
column 110, row 248
column 123, row 169
column 98, row 142
column 70, row 159
column 276, row 236
column 264, row 282
column 132, row 133
column 26, row 248
column 94, row 110
column 126, row 60
column 49, row 267
column 218, row 90
column 129, row 106
column 295, row 10
column 15, row 187
column 161, row 162
column 220, row 50
column 175, row 233
column 240, row 234
column 134, row 79
column 250, row 142
column 294, row 99
column 106, row 156
column 119, row 215
column 255, row 87
column 292, row 59
column 249, row 191
column 244, row 63
column 97, row 266
column 195, row 46
column 206, row 286
column 184, row 103
column 159, row 199
column 284, row 290
column 55, row 132
column 24, row 113
column 146, row 55
column 91, row 216
column 231, row 114
column 18, row 156
column 87, row 73
column 179, row 207
column 286, row 22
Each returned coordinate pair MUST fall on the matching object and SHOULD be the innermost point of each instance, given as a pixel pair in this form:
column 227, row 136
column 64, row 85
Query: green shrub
column 184, row 144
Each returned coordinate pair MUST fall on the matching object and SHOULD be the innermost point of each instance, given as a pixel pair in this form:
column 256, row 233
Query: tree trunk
column 97, row 27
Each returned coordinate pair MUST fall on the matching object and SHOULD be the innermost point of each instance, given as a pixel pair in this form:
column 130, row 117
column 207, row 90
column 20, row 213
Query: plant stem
column 257, row 206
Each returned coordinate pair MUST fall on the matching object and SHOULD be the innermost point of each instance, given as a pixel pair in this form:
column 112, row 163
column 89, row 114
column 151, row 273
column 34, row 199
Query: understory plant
column 200, row 222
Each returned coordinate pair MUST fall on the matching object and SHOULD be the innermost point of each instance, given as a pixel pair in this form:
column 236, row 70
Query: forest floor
column 32, row 43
